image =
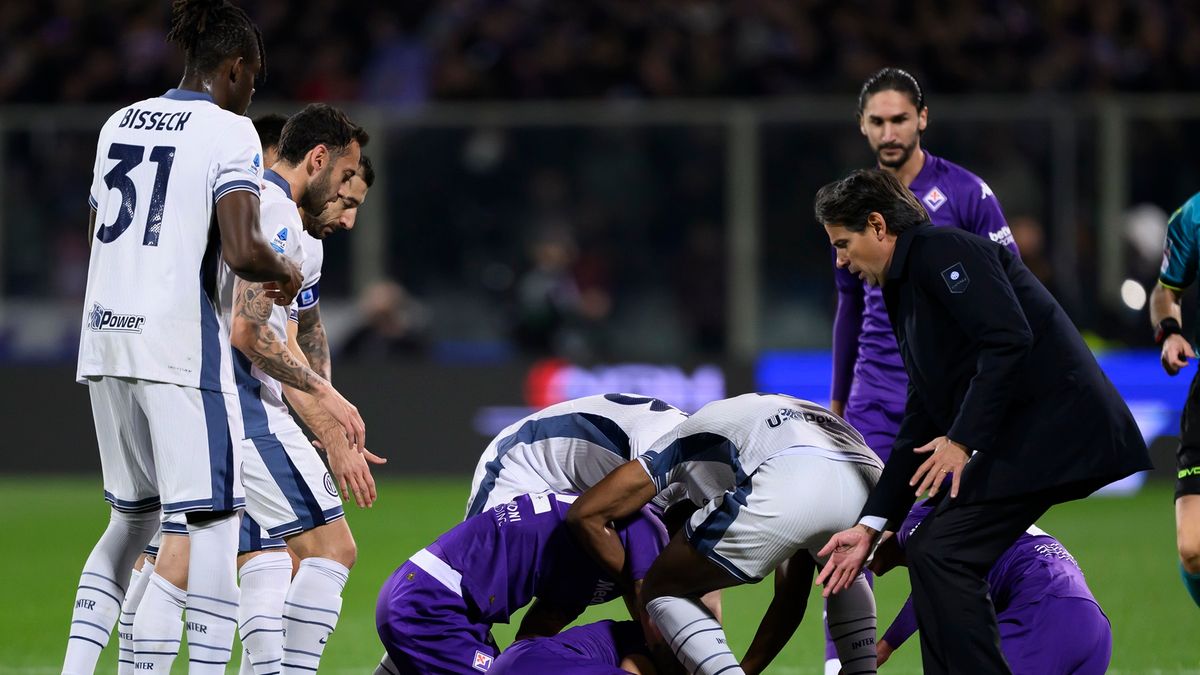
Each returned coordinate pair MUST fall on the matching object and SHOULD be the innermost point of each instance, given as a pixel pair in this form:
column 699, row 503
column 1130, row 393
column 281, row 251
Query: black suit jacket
column 995, row 364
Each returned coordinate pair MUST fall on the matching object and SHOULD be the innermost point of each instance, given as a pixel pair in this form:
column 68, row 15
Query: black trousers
column 949, row 556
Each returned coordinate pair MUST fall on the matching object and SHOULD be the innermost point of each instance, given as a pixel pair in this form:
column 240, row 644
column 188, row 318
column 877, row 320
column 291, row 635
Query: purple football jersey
column 875, row 389
column 590, row 649
column 514, row 552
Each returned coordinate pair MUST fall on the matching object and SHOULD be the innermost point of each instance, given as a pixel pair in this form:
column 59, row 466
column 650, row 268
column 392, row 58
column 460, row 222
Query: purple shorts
column 1034, row 641
column 425, row 629
column 878, row 420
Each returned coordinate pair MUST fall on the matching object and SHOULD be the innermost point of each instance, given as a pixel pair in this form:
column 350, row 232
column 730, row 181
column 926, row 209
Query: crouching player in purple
column 435, row 612
column 601, row 648
column 1049, row 622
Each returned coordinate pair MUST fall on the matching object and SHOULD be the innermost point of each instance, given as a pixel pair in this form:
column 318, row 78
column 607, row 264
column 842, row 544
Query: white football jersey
column 726, row 441
column 282, row 228
column 314, row 257
column 570, row 446
column 150, row 310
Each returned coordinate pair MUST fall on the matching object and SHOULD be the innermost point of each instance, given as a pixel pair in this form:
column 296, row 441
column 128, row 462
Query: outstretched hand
column 847, row 552
column 948, row 458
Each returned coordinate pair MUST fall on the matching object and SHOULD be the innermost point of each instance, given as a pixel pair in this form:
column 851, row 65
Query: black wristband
column 1165, row 329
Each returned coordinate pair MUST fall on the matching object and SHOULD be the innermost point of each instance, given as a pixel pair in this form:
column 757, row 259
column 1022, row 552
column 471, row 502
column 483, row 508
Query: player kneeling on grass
column 1049, row 622
column 776, row 476
column 435, row 612
column 601, row 648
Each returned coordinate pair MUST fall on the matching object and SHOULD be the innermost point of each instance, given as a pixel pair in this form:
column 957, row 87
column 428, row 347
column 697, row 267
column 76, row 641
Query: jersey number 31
column 128, row 157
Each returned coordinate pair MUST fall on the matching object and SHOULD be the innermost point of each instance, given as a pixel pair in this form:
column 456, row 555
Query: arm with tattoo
column 254, row 337
column 313, row 341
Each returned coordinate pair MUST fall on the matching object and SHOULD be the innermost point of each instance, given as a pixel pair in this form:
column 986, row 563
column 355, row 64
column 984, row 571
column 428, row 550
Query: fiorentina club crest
column 934, row 199
column 482, row 662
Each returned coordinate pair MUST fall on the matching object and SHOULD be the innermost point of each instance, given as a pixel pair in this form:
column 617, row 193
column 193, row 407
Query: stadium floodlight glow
column 1133, row 295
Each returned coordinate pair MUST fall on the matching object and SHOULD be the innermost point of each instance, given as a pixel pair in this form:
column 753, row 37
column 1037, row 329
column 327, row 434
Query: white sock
column 852, row 625
column 265, row 580
column 212, row 599
column 694, row 635
column 98, row 598
column 157, row 626
column 311, row 611
column 386, row 667
column 138, row 580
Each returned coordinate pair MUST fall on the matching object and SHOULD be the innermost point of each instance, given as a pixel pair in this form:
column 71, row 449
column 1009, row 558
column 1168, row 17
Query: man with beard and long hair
column 869, row 383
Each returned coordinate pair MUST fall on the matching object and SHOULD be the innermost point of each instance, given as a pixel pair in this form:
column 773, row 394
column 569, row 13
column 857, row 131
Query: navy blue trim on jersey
column 249, row 389
column 291, row 483
column 233, row 186
column 275, row 178
column 699, row 447
column 589, row 427
column 174, row 528
column 127, row 506
column 187, row 95
column 250, row 537
column 705, row 537
column 93, row 203
column 200, row 505
column 216, row 419
column 302, row 524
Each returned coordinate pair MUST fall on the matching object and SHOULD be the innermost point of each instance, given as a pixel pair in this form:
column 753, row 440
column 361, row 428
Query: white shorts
column 288, row 489
column 792, row 502
column 166, row 446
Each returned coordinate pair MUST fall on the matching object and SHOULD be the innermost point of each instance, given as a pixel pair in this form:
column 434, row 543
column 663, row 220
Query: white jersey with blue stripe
column 726, row 441
column 314, row 258
column 281, row 226
column 569, row 447
column 151, row 309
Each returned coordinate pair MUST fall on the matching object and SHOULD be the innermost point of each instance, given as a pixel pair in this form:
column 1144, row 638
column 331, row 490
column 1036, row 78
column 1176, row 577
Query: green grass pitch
column 1125, row 545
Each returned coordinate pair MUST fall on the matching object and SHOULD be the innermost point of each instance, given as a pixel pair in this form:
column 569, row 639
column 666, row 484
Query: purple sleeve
column 847, row 326
column 983, row 216
column 903, row 626
column 644, row 537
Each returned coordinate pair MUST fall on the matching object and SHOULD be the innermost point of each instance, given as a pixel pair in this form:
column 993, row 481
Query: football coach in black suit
column 1004, row 399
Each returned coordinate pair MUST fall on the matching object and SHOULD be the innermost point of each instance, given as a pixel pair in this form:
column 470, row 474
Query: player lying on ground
column 775, row 477
column 601, row 648
column 435, row 612
column 1050, row 624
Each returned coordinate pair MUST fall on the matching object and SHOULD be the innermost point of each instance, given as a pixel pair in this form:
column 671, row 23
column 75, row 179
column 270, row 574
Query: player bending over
column 601, row 648
column 774, row 476
column 1050, row 624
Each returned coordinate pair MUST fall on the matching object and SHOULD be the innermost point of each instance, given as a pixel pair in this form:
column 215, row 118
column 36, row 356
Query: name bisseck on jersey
column 154, row 120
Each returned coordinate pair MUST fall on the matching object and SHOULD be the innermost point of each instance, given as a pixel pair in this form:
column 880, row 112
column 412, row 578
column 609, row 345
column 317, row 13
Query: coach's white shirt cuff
column 874, row 522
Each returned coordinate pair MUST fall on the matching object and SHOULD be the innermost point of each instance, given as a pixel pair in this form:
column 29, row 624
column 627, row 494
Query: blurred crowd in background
column 607, row 242
column 419, row 50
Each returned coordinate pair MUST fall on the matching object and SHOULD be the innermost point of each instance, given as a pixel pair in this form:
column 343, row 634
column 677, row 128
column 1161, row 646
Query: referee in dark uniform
column 1004, row 399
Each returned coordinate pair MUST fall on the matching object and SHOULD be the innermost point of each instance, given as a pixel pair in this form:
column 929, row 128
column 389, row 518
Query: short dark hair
column 269, row 127
column 317, row 124
column 366, row 170
column 848, row 202
column 891, row 79
column 211, row 31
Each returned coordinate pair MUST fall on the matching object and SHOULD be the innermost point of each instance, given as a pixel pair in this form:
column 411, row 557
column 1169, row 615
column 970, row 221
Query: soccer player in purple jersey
column 869, row 382
column 601, row 648
column 435, row 612
column 1050, row 624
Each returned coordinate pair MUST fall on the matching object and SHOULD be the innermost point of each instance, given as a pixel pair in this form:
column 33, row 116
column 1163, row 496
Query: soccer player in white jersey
column 568, row 447
column 175, row 188
column 264, row 565
column 774, row 476
column 288, row 491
